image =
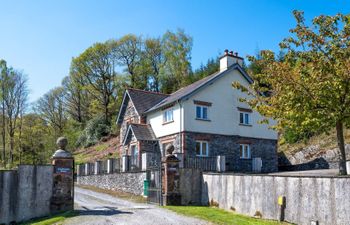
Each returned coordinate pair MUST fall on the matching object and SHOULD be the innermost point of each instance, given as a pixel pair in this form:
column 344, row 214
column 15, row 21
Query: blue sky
column 41, row 37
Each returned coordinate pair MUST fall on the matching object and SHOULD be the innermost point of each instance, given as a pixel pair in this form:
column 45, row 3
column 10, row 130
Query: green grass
column 55, row 219
column 220, row 216
column 101, row 147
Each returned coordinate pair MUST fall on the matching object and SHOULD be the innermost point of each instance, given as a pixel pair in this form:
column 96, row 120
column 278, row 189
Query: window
column 168, row 116
column 201, row 112
column 244, row 151
column 244, row 118
column 202, row 148
column 134, row 150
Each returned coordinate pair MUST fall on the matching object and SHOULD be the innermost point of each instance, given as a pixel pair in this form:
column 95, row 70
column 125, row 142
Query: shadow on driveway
column 101, row 211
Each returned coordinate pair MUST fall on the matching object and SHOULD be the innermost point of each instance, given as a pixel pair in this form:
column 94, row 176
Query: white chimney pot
column 228, row 60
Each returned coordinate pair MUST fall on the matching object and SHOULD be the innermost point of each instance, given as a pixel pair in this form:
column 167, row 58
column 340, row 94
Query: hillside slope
column 318, row 152
column 106, row 148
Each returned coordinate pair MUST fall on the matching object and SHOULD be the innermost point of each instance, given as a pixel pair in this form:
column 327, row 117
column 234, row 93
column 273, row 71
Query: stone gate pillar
column 171, row 178
column 63, row 182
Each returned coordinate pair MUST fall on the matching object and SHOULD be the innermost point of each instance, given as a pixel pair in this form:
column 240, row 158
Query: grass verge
column 118, row 194
column 55, row 219
column 220, row 216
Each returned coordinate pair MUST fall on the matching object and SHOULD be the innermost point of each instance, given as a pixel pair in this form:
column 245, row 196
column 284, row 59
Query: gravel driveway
column 98, row 208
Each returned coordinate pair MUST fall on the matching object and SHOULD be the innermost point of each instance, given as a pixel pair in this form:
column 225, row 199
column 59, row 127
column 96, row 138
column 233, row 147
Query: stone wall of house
column 229, row 145
column 174, row 139
column 322, row 199
column 130, row 116
column 25, row 193
column 149, row 146
column 131, row 182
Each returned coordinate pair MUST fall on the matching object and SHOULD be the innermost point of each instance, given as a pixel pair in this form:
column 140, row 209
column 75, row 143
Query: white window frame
column 246, row 150
column 201, row 116
column 245, row 122
column 134, row 150
column 168, row 115
column 201, row 148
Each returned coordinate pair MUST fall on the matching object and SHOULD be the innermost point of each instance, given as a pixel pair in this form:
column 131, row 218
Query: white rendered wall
column 160, row 129
column 223, row 114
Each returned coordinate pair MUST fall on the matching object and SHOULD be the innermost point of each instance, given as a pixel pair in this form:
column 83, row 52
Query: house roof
column 192, row 88
column 142, row 132
column 142, row 100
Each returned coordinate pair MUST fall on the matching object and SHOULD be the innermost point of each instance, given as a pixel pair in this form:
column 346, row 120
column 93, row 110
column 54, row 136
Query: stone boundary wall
column 322, row 199
column 25, row 193
column 131, row 182
column 190, row 186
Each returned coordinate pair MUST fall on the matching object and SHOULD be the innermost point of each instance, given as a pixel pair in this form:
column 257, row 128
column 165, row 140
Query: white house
column 203, row 119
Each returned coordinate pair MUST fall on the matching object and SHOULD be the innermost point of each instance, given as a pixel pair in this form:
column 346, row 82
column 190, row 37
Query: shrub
column 95, row 129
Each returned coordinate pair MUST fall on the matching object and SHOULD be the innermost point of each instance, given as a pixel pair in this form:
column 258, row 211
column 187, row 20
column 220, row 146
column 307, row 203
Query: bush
column 95, row 129
column 291, row 136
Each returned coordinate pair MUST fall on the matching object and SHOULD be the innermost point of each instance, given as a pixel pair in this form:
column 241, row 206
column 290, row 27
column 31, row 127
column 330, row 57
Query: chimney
column 228, row 59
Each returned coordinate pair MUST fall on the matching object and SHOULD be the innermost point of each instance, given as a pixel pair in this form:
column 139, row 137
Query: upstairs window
column 244, row 151
column 202, row 148
column 244, row 118
column 168, row 116
column 201, row 112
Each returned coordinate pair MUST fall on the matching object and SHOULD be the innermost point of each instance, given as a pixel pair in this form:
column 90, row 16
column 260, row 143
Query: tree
column 15, row 97
column 309, row 88
column 77, row 98
column 210, row 68
column 36, row 143
column 153, row 61
column 177, row 52
column 4, row 71
column 96, row 67
column 52, row 109
column 127, row 51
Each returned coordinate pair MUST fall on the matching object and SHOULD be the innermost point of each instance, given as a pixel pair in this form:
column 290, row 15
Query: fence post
column 63, row 183
column 221, row 163
column 97, row 167
column 125, row 163
column 110, row 165
column 78, row 170
column 87, row 169
column 144, row 161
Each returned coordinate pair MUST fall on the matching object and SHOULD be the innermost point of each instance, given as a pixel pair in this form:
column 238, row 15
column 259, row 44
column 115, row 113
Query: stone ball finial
column 169, row 149
column 62, row 143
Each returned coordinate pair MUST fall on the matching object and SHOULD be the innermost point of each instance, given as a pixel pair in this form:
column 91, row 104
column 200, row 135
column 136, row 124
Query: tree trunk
column 3, row 136
column 12, row 146
column 341, row 145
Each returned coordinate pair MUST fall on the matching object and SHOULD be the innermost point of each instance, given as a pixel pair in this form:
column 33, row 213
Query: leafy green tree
column 51, row 108
column 177, row 52
column 35, row 138
column 211, row 67
column 153, row 61
column 310, row 86
column 96, row 66
column 127, row 50
column 77, row 98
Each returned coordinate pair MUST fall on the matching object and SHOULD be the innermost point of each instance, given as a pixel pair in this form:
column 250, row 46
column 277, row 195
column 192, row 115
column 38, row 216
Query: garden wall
column 131, row 182
column 322, row 199
column 25, row 193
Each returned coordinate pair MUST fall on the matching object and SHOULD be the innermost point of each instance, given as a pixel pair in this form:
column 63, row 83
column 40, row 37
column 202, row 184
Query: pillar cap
column 61, row 154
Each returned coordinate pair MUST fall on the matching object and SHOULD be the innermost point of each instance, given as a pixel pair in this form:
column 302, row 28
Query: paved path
column 97, row 208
